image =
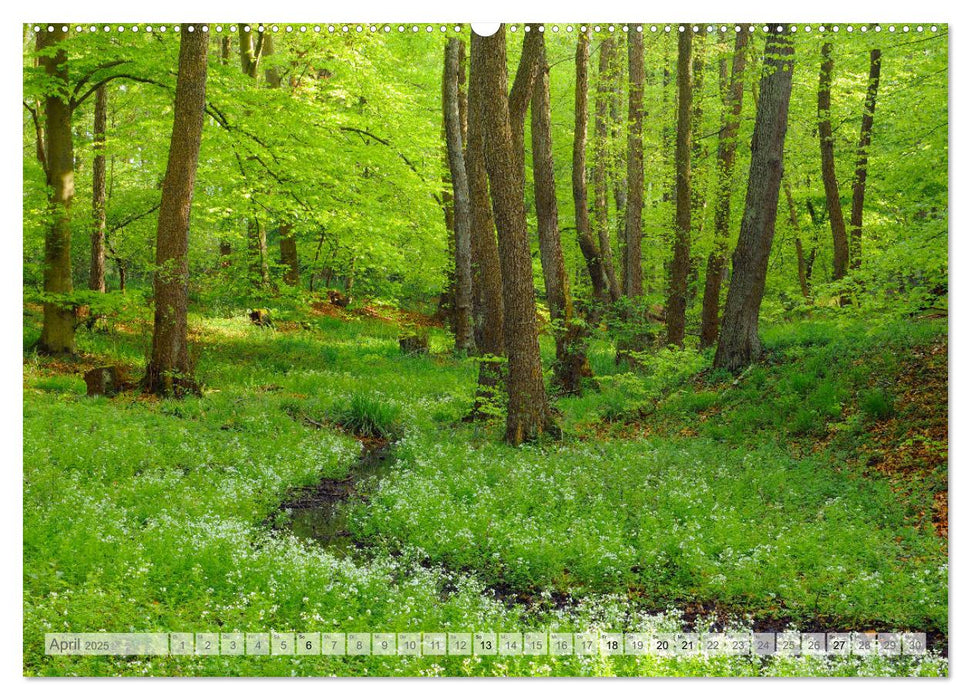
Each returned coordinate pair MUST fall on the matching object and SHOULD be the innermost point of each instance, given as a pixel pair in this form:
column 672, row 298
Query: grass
column 745, row 499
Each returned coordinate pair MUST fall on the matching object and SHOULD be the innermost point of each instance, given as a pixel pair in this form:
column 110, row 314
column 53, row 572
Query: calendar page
column 515, row 349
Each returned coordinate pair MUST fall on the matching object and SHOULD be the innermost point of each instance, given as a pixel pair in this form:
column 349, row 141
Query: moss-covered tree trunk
column 724, row 177
column 738, row 342
column 169, row 370
column 681, row 261
column 571, row 361
column 487, row 311
column 57, row 335
column 528, row 415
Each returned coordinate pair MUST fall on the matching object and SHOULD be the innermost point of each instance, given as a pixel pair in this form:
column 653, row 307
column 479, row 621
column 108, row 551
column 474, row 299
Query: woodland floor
column 810, row 492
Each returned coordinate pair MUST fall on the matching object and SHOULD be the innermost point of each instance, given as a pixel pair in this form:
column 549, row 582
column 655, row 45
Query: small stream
column 316, row 512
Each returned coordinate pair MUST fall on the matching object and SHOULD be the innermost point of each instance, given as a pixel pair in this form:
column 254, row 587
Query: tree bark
column 96, row 278
column 601, row 155
column 588, row 246
column 259, row 255
column 633, row 227
column 289, row 256
column 862, row 156
column 57, row 335
column 571, row 361
column 836, row 223
column 738, row 343
column 464, row 340
column 169, row 370
column 519, row 98
column 681, row 262
column 528, row 416
column 249, row 50
column 487, row 308
column 724, row 174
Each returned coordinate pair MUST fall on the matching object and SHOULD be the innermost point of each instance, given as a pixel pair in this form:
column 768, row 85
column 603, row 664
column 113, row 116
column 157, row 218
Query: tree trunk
column 681, row 262
column 259, row 262
column 800, row 256
column 519, row 98
column 528, row 415
column 836, row 223
column 464, row 340
column 289, row 256
column 96, row 278
column 249, row 53
column 862, row 156
column 571, row 362
column 618, row 162
column 169, row 370
column 487, row 308
column 699, row 177
column 588, row 246
column 57, row 335
column 738, row 343
column 633, row 228
column 601, row 154
column 724, row 175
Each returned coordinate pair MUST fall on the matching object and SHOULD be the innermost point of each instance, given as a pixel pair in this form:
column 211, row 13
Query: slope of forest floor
column 810, row 491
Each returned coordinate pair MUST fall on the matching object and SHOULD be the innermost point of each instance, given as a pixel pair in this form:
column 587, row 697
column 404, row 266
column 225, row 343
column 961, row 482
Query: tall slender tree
column 169, row 369
column 99, row 193
column 528, row 415
column 588, row 246
column 738, row 342
column 633, row 230
column 862, row 157
column 571, row 361
column 800, row 255
column 601, row 157
column 681, row 262
column 464, row 338
column 724, row 177
column 825, row 127
column 55, row 146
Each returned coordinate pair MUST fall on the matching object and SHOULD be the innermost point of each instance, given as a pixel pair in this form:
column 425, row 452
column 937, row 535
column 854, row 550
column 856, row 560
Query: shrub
column 876, row 404
column 368, row 416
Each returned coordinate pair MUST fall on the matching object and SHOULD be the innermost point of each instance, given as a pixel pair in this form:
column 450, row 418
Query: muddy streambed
column 316, row 512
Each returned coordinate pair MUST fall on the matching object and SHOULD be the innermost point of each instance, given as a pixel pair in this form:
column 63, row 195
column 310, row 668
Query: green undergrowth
column 150, row 515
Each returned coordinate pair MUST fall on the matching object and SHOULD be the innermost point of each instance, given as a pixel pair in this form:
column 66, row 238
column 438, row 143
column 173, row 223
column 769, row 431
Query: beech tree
column 837, row 224
column 55, row 149
column 464, row 339
column 487, row 308
column 738, row 343
column 633, row 229
column 169, row 371
column 96, row 277
column 528, row 416
column 601, row 156
column 724, row 171
column 862, row 157
column 681, row 263
column 571, row 361
column 588, row 246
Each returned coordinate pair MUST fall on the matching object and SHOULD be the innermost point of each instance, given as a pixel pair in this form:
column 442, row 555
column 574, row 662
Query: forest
column 563, row 330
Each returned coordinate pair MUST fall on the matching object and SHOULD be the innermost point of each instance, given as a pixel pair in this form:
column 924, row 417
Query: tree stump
column 413, row 344
column 260, row 317
column 105, row 381
column 337, row 299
